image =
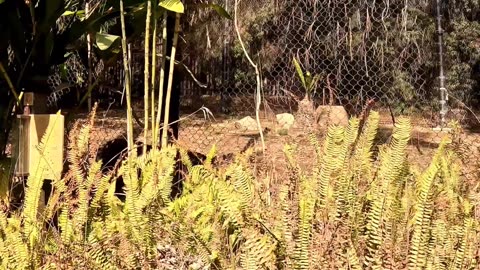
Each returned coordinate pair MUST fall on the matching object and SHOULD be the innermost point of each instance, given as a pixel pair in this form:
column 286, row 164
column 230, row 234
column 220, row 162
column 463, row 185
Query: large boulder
column 331, row 115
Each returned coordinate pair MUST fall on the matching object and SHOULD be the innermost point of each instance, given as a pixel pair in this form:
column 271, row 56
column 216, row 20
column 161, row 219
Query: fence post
column 441, row 77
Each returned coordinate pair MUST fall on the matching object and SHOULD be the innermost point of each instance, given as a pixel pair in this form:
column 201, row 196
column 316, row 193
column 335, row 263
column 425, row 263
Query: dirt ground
column 422, row 146
column 199, row 134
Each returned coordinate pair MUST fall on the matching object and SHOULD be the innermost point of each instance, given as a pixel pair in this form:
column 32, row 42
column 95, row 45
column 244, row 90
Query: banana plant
column 31, row 43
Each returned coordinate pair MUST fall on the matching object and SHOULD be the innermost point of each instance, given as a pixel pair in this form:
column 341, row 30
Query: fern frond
column 198, row 175
column 344, row 184
column 257, row 251
column 385, row 187
column 80, row 216
column 353, row 262
column 306, row 212
column 332, row 161
column 160, row 187
column 101, row 187
column 242, row 182
column 438, row 248
column 185, row 158
column 230, row 204
column 98, row 254
column 34, row 187
column 18, row 254
column 210, row 156
column 423, row 212
column 362, row 156
column 66, row 226
column 464, row 255
column 132, row 196
column 285, row 226
column 83, row 138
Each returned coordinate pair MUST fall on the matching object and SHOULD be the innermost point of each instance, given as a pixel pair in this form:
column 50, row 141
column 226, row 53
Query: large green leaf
column 1, row 1
column 173, row 5
column 105, row 41
column 71, row 13
column 299, row 70
column 221, row 11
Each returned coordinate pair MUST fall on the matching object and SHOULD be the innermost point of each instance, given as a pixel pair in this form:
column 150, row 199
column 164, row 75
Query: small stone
column 246, row 123
column 285, row 121
column 196, row 266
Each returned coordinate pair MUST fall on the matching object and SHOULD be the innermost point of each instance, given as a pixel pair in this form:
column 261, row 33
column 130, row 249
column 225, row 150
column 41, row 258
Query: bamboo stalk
column 154, row 68
column 126, row 67
column 162, row 77
column 258, row 91
column 146, row 81
column 170, row 81
column 9, row 82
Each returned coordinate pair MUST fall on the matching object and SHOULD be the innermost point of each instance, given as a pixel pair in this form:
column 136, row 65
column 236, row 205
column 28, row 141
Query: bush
column 358, row 208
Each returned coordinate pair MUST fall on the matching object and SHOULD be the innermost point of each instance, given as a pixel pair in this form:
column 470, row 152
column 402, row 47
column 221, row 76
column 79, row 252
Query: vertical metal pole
column 89, row 57
column 224, row 90
column 441, row 77
column 225, row 44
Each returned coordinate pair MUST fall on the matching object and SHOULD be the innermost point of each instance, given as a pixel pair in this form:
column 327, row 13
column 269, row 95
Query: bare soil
column 199, row 134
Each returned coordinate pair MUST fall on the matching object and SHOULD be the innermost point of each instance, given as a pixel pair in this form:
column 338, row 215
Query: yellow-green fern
column 331, row 162
column 423, row 213
column 384, row 189
column 301, row 256
column 257, row 251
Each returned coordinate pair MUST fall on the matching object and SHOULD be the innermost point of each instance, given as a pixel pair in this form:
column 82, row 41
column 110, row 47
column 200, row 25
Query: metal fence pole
column 443, row 90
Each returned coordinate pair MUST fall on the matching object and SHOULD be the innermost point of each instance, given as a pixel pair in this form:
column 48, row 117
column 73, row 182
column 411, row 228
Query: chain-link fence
column 70, row 81
column 351, row 52
column 386, row 51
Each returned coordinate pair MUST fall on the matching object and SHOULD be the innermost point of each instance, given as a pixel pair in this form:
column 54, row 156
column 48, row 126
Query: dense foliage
column 359, row 207
column 385, row 49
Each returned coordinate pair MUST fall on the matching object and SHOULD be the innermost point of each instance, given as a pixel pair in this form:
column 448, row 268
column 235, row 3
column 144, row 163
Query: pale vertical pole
column 89, row 56
column 441, row 77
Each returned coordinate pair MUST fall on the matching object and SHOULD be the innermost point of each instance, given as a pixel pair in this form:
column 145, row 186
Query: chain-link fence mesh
column 386, row 51
column 354, row 51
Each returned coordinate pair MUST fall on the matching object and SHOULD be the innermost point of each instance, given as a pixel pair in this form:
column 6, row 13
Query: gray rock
column 246, row 124
column 285, row 121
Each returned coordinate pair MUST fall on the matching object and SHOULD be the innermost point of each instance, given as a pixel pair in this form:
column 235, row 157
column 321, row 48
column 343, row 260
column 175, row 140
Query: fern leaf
column 352, row 259
column 385, row 186
column 242, row 182
column 34, row 187
column 302, row 248
column 463, row 256
column 423, row 213
column 210, row 156
column 257, row 251
column 332, row 162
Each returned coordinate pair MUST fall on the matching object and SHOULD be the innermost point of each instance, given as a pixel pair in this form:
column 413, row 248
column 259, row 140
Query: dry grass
column 199, row 135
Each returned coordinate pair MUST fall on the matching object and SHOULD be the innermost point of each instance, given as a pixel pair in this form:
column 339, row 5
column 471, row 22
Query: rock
column 331, row 115
column 246, row 123
column 285, row 120
column 196, row 266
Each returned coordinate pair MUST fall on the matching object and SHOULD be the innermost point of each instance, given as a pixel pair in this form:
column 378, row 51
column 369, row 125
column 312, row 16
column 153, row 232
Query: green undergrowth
column 361, row 206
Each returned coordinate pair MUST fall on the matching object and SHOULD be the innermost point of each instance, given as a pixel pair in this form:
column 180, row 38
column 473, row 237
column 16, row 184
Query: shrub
column 357, row 208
